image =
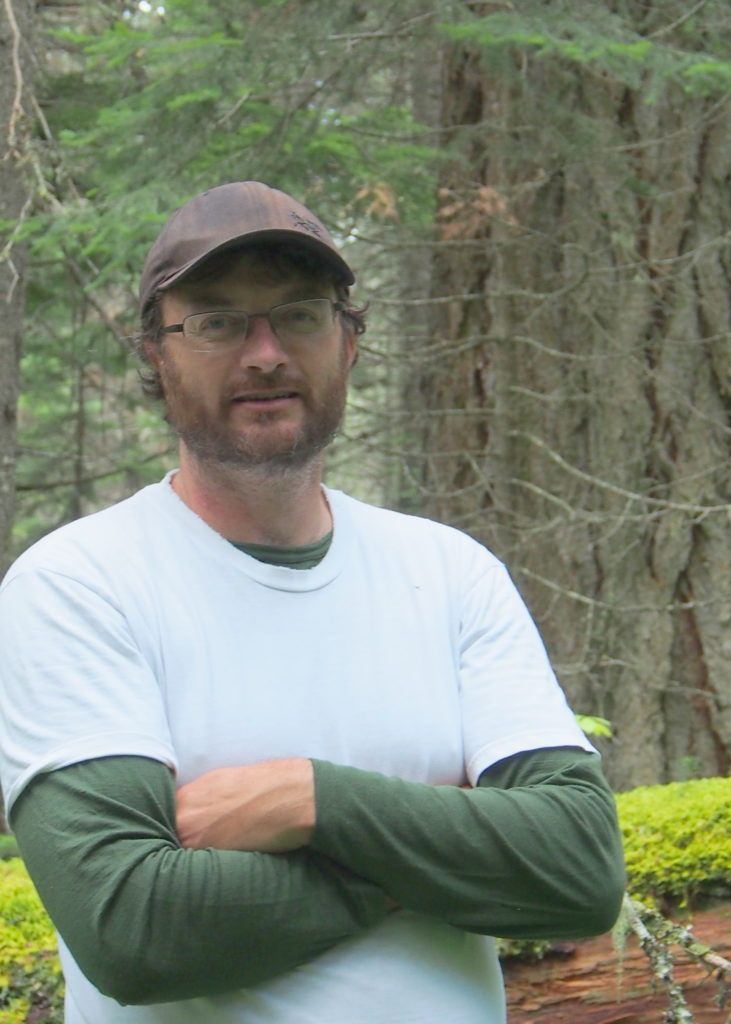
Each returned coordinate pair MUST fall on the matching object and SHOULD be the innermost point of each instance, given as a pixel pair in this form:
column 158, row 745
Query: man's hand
column 269, row 807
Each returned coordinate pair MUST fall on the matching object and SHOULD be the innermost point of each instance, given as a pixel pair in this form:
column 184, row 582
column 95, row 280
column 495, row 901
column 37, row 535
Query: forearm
column 541, row 858
column 148, row 921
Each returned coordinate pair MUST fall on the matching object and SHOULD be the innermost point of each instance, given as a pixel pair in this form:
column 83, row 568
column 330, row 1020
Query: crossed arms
column 532, row 851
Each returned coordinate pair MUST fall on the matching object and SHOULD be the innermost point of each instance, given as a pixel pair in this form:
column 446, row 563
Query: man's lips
column 265, row 397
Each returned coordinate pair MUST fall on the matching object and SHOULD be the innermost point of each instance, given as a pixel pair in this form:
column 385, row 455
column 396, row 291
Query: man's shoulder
column 100, row 539
column 409, row 532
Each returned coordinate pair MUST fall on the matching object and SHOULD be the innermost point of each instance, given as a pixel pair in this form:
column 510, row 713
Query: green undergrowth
column 677, row 842
column 31, row 987
column 8, row 847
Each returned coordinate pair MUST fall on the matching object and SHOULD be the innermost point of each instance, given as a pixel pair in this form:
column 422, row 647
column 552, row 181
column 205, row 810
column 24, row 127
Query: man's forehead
column 239, row 288
column 253, row 267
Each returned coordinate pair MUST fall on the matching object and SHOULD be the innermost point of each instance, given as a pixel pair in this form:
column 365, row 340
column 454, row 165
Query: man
column 271, row 754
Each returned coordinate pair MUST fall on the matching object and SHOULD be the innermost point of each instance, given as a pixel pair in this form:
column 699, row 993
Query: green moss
column 31, row 986
column 677, row 840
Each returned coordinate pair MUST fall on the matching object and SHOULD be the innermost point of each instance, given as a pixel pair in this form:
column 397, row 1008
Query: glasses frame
column 336, row 307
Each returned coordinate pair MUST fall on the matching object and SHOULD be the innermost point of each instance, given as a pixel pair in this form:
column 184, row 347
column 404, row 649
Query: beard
column 214, row 440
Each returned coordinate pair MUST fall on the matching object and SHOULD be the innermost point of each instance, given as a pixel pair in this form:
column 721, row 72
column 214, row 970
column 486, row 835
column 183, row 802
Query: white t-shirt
column 406, row 651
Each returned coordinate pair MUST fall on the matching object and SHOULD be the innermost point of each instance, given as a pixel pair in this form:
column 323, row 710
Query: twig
column 396, row 33
column 656, row 933
column 16, row 108
column 678, row 21
column 662, row 965
column 110, row 322
column 670, row 931
column 6, row 250
column 678, row 506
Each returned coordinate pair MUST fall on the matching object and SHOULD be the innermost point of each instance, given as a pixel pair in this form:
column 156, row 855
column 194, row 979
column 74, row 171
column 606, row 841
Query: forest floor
column 586, row 983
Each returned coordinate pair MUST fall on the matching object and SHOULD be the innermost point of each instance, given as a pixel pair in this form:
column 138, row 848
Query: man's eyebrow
column 209, row 299
column 212, row 300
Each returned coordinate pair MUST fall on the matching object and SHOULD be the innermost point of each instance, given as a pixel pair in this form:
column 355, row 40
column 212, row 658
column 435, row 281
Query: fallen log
column 588, row 982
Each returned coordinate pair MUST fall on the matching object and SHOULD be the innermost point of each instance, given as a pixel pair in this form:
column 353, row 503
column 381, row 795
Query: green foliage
column 216, row 92
column 8, row 847
column 524, row 949
column 31, row 986
column 594, row 726
column 642, row 53
column 677, row 840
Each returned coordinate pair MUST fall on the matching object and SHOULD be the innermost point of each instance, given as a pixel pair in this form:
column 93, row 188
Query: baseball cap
column 228, row 216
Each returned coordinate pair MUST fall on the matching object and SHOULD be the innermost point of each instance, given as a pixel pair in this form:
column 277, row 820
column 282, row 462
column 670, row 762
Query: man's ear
column 152, row 353
column 350, row 340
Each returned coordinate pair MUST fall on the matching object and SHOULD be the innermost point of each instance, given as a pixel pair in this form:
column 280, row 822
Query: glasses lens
column 309, row 317
column 212, row 330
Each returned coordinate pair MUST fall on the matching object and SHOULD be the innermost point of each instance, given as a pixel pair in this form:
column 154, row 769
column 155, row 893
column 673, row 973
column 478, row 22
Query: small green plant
column 594, row 726
column 688, row 768
column 8, row 847
column 31, row 986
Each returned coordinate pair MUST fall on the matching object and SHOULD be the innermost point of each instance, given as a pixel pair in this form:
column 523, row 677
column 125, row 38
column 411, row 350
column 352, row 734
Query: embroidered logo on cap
column 306, row 225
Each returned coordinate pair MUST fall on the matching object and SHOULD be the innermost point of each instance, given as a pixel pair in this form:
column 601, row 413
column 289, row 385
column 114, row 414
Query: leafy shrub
column 30, row 975
column 677, row 840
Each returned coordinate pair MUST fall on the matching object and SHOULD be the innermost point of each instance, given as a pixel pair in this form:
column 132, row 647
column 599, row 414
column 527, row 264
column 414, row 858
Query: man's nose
column 262, row 349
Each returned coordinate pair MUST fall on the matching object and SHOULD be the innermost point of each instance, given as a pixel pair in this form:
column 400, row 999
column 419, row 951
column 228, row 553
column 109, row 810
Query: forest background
column 535, row 198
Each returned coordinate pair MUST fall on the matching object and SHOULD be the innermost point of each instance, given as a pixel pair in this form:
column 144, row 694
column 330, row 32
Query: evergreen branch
column 686, row 16
column 115, row 471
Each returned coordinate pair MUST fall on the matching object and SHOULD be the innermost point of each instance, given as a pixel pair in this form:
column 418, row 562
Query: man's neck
column 253, row 506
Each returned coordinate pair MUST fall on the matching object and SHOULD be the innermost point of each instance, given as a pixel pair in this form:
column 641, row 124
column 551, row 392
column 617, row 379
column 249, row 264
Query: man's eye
column 300, row 313
column 218, row 322
column 299, row 318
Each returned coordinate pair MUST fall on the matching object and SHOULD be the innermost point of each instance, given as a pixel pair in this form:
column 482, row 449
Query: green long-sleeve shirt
column 533, row 851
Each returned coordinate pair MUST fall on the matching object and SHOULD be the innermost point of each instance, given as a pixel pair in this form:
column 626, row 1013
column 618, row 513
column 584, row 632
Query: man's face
column 262, row 403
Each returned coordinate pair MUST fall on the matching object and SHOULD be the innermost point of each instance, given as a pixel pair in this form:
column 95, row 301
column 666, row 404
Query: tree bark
column 579, row 409
column 16, row 17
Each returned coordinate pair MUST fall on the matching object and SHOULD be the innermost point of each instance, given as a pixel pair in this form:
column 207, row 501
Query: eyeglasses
column 291, row 321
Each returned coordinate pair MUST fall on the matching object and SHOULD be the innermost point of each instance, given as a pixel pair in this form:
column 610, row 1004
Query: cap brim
column 301, row 241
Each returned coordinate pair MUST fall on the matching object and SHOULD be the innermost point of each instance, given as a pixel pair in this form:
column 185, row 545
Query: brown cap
column 226, row 217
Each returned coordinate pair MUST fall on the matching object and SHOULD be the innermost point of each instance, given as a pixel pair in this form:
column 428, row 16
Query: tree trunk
column 15, row 27
column 579, row 407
